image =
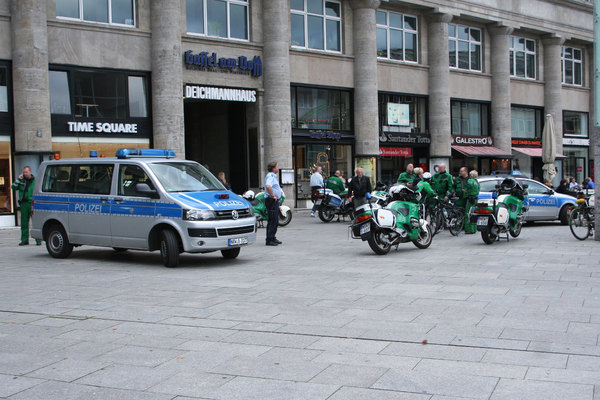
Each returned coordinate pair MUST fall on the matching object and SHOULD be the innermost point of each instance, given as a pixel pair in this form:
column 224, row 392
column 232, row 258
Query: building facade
column 235, row 84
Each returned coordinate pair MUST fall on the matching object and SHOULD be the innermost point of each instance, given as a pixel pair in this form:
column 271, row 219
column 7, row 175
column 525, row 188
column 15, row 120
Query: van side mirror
column 145, row 190
column 525, row 186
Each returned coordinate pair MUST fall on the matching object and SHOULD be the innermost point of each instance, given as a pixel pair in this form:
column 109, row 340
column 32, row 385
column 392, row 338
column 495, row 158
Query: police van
column 143, row 199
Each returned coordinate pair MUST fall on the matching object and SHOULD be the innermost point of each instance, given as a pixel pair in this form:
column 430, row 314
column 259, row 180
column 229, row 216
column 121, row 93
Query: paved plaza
column 320, row 317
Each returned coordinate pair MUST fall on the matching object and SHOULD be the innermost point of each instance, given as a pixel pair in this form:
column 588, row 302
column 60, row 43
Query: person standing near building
column 316, row 183
column 24, row 184
column 359, row 185
column 407, row 177
column 335, row 183
column 273, row 194
column 221, row 177
column 442, row 182
column 472, row 193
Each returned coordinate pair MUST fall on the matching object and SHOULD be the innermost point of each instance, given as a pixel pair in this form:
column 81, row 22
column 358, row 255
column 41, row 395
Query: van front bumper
column 203, row 236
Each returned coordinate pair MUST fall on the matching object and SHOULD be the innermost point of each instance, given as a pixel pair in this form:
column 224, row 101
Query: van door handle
column 104, row 199
column 118, row 199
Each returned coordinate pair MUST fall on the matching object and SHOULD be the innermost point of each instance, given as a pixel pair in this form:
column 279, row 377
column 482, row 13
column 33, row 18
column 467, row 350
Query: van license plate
column 482, row 221
column 238, row 241
column 318, row 202
column 365, row 228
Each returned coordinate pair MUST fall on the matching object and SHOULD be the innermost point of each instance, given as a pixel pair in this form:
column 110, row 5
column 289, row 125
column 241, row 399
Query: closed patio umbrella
column 548, row 149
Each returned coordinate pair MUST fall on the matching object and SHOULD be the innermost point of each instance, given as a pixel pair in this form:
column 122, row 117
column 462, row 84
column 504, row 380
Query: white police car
column 544, row 204
column 143, row 199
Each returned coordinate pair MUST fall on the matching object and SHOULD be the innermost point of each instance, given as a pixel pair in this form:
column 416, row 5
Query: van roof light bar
column 131, row 153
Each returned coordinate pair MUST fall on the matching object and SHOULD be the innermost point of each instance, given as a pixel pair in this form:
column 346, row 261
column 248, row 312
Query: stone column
column 366, row 113
column 439, row 89
column 277, row 106
column 167, row 76
column 31, row 93
column 501, row 101
column 553, row 84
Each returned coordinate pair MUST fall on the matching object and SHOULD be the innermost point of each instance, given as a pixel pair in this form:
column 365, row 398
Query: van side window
column 93, row 178
column 58, row 179
column 129, row 176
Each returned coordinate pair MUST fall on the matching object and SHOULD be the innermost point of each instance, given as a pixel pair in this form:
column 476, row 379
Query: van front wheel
column 169, row 248
column 57, row 242
column 230, row 253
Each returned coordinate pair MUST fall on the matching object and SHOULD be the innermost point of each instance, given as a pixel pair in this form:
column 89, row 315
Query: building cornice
column 87, row 26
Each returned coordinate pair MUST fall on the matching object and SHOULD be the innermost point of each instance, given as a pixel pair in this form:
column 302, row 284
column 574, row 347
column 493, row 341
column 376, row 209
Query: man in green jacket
column 406, row 178
column 442, row 182
column 428, row 195
column 460, row 187
column 24, row 184
column 472, row 193
column 335, row 183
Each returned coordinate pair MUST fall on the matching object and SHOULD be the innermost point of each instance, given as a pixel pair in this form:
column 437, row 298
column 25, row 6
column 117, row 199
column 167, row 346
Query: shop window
column 526, row 122
column 317, row 24
column 218, row 18
column 464, row 47
column 575, row 165
column 137, row 97
column 6, row 206
column 328, row 156
column 320, row 108
column 397, row 36
column 118, row 12
column 572, row 65
column 402, row 113
column 60, row 96
column 3, row 89
column 469, row 118
column 100, row 94
column 575, row 123
column 522, row 57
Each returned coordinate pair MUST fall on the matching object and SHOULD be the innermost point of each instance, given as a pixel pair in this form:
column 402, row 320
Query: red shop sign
column 395, row 151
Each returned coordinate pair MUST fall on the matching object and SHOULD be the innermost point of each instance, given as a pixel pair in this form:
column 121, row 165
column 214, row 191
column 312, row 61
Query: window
column 407, row 114
column 522, row 57
column 129, row 177
column 465, row 47
column 534, row 187
column 60, row 96
column 575, row 123
column 320, row 108
column 119, row 12
column 396, row 36
column 526, row 122
column 317, row 24
column 572, row 65
column 88, row 179
column 469, row 119
column 137, row 97
column 3, row 89
column 218, row 18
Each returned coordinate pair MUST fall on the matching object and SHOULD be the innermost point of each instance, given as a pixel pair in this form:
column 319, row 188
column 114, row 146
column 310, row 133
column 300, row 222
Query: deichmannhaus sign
column 211, row 62
column 219, row 93
column 472, row 140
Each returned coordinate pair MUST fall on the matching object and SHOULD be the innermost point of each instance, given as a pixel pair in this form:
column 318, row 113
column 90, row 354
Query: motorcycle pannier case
column 385, row 218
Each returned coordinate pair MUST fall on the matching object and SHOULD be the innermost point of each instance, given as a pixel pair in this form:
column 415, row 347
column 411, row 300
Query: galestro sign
column 210, row 62
column 472, row 140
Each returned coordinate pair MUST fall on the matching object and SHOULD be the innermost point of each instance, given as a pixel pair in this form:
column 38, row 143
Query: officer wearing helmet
column 428, row 195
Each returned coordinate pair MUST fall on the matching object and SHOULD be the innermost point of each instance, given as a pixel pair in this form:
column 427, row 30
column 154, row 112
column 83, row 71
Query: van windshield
column 185, row 177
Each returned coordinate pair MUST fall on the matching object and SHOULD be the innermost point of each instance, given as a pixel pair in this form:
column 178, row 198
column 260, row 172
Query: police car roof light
column 129, row 153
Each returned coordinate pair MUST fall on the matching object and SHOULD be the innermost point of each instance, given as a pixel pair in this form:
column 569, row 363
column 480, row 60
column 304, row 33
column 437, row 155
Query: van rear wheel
column 169, row 248
column 230, row 254
column 57, row 242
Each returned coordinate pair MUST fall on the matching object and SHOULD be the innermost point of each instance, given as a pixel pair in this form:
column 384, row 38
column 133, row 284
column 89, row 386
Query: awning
column 482, row 151
column 534, row 152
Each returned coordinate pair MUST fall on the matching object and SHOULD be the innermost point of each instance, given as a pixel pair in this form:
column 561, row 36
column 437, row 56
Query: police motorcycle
column 260, row 209
column 502, row 214
column 330, row 204
column 400, row 221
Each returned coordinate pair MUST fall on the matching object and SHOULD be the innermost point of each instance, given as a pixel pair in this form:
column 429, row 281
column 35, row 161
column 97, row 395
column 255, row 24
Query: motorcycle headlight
column 198, row 215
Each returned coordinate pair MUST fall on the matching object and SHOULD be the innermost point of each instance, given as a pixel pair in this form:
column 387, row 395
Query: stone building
column 234, row 84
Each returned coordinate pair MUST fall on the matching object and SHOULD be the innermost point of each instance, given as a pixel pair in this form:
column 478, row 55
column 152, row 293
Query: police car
column 544, row 204
column 143, row 199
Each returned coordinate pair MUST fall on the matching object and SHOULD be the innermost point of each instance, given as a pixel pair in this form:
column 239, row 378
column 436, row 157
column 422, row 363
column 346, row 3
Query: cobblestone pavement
column 320, row 317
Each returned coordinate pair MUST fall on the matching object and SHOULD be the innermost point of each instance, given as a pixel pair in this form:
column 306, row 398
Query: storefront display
column 7, row 206
column 576, row 146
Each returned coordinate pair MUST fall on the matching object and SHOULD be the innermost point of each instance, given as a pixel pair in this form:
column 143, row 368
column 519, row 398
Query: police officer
column 428, row 195
column 407, row 177
column 24, row 184
column 472, row 193
column 335, row 183
column 442, row 182
column 273, row 193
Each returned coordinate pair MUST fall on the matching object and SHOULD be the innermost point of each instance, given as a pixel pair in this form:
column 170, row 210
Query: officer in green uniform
column 472, row 195
column 460, row 191
column 428, row 195
column 25, row 185
column 406, row 178
column 442, row 182
column 335, row 183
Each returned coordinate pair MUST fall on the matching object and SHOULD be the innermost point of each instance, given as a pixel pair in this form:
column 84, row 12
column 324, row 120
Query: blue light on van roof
column 128, row 153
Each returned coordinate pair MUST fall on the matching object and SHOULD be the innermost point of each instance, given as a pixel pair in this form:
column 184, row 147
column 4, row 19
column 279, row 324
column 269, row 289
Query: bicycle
column 446, row 215
column 581, row 218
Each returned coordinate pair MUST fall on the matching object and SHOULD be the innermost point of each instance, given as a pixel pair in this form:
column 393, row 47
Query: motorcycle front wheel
column 517, row 231
column 425, row 238
column 285, row 219
column 579, row 224
column 377, row 244
column 457, row 223
column 326, row 214
column 488, row 236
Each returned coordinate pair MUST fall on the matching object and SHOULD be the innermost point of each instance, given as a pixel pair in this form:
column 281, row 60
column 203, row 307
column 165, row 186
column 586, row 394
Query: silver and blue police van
column 143, row 199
